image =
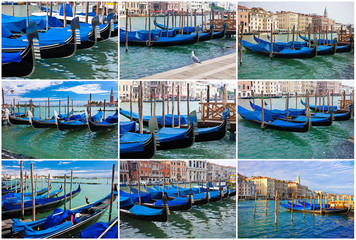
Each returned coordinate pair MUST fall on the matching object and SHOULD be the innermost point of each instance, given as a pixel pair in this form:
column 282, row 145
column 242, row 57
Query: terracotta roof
column 242, row 7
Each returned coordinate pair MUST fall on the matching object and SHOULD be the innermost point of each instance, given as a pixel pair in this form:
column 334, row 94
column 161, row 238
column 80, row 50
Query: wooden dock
column 218, row 68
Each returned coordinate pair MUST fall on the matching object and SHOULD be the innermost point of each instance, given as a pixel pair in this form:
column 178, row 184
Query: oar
column 114, row 223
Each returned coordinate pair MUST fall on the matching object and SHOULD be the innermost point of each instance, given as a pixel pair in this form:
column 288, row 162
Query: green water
column 144, row 61
column 221, row 149
column 213, row 220
column 317, row 226
column 329, row 142
column 94, row 192
column 54, row 144
column 337, row 66
column 99, row 62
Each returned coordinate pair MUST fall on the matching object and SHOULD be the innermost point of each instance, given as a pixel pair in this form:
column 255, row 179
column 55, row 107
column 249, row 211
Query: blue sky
column 329, row 176
column 341, row 12
column 59, row 168
column 78, row 91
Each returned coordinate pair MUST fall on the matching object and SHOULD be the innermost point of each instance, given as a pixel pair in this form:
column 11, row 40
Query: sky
column 341, row 12
column 39, row 91
column 329, row 176
column 59, row 168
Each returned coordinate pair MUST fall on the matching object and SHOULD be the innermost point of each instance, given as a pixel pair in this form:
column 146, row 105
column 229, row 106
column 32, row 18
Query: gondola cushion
column 145, row 211
column 95, row 230
column 11, row 57
column 59, row 216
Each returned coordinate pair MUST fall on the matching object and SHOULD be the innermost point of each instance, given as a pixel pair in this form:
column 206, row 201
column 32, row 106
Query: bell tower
column 112, row 96
column 325, row 13
column 298, row 179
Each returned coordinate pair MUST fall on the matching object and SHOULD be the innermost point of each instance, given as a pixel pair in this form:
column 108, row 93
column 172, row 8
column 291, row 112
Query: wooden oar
column 114, row 223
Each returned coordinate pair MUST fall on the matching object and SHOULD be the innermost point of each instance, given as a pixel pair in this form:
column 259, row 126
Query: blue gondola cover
column 129, row 126
column 132, row 142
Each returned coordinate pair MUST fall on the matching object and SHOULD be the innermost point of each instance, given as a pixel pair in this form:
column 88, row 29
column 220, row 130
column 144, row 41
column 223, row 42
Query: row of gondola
column 64, row 122
column 134, row 145
column 294, row 49
column 19, row 52
column 163, row 37
column 154, row 204
column 294, row 120
column 80, row 221
column 303, row 206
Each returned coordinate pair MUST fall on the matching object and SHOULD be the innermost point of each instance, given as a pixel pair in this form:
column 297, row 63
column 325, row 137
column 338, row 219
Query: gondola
column 37, row 193
column 17, row 200
column 177, row 204
column 265, row 49
column 129, row 209
column 21, row 63
column 115, row 31
column 46, row 123
column 42, row 205
column 309, row 209
column 221, row 34
column 232, row 192
column 215, row 196
column 175, row 138
column 296, row 116
column 137, row 146
column 211, row 133
column 338, row 115
column 297, row 45
column 76, row 124
column 108, row 124
column 177, row 29
column 141, row 38
column 321, row 49
column 168, row 118
column 11, row 192
column 109, row 229
column 8, row 187
column 256, row 118
column 54, row 43
column 105, row 29
column 64, row 224
column 339, row 48
column 88, row 34
column 127, row 126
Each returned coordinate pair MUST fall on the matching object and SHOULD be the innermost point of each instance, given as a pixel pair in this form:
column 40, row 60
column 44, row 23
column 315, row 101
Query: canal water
column 317, row 226
column 329, row 142
column 221, row 149
column 99, row 62
column 213, row 220
column 337, row 66
column 145, row 61
column 51, row 143
column 94, row 189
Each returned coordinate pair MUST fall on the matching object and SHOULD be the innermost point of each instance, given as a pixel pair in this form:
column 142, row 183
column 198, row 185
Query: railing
column 214, row 110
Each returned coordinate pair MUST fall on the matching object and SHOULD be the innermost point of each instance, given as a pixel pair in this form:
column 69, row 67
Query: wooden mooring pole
column 71, row 189
column 275, row 208
column 112, row 191
column 22, row 192
column 33, row 196
column 254, row 211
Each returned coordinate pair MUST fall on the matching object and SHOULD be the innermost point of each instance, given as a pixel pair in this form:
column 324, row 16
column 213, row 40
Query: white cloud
column 21, row 87
column 62, row 163
column 83, row 89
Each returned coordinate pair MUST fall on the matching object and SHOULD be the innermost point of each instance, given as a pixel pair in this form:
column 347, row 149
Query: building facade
column 247, row 189
column 178, row 170
column 287, row 20
column 244, row 89
column 243, row 17
column 197, row 170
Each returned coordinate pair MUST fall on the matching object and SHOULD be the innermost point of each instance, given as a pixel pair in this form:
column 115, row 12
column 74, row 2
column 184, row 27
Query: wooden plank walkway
column 218, row 68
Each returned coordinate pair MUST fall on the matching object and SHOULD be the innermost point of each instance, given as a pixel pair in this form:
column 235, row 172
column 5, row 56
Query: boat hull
column 105, row 33
column 204, row 137
column 147, row 153
column 180, row 143
column 21, row 69
column 156, row 218
column 39, row 209
column 90, row 43
column 95, row 127
column 18, row 121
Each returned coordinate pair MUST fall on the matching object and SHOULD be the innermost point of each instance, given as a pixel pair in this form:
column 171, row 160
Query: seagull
column 194, row 58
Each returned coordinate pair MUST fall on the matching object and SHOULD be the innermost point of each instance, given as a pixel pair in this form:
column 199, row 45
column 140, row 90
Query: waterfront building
column 286, row 20
column 311, row 86
column 218, row 172
column 247, row 188
column 196, row 170
column 275, row 23
column 296, row 188
column 345, row 88
column 265, row 186
column 282, row 188
column 244, row 89
column 292, row 87
column 303, row 22
column 243, row 16
column 323, row 22
column 124, row 171
column 151, row 171
column 256, row 19
column 178, row 170
column 323, row 87
column 268, row 87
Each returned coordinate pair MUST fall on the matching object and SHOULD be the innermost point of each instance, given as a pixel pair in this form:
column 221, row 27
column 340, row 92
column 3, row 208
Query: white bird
column 194, row 58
